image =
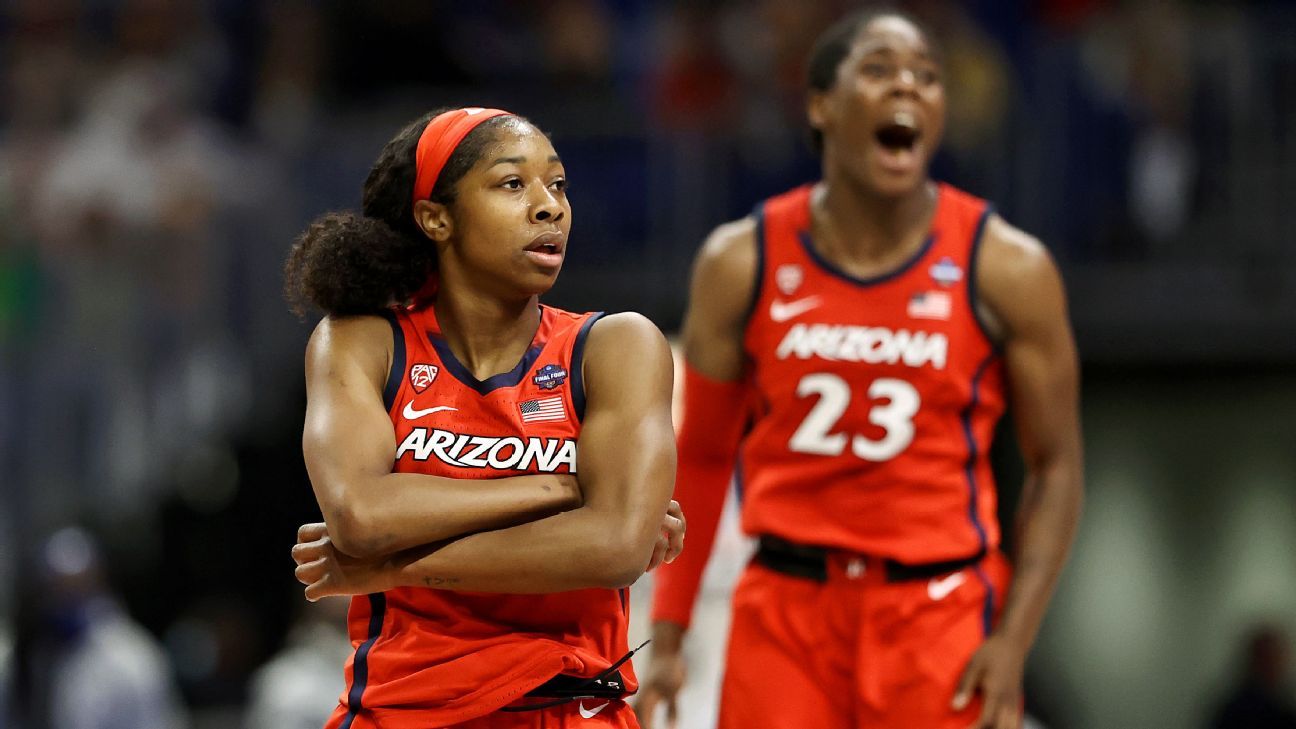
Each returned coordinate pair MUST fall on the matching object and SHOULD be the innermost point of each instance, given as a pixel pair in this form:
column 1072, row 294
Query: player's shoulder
column 626, row 348
column 730, row 248
column 734, row 239
column 1016, row 277
column 626, row 332
column 333, row 331
column 726, row 268
column 364, row 337
column 1009, row 253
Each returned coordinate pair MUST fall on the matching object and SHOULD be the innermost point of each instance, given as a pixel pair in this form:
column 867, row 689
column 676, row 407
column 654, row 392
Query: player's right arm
column 715, row 362
column 350, row 445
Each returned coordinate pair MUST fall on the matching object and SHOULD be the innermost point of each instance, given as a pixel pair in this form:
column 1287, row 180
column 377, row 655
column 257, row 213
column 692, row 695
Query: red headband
column 439, row 139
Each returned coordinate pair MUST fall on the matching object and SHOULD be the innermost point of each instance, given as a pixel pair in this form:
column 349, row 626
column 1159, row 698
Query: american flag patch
column 547, row 408
column 930, row 305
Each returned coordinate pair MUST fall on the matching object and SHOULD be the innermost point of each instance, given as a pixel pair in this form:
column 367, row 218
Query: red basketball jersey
column 876, row 399
column 426, row 657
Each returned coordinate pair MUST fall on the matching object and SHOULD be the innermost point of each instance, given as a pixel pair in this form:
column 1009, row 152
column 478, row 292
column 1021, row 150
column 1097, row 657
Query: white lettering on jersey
column 537, row 452
column 474, row 457
column 510, row 453
column 460, row 442
column 874, row 345
column 500, row 462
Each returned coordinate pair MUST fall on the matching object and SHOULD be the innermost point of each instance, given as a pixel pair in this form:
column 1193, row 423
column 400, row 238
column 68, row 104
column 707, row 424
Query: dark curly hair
column 345, row 263
column 833, row 46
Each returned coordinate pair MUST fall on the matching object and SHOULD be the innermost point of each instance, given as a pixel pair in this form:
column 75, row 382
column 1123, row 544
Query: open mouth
column 550, row 243
column 899, row 133
column 546, row 250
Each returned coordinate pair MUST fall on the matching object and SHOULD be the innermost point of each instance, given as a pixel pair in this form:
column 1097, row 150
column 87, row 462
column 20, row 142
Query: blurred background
column 158, row 156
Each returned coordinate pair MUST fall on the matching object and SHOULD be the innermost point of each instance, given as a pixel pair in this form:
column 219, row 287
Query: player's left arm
column 1023, row 301
column 626, row 469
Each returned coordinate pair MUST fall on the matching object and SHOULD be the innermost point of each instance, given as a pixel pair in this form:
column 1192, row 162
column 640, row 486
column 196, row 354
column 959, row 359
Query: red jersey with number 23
column 876, row 398
column 431, row 657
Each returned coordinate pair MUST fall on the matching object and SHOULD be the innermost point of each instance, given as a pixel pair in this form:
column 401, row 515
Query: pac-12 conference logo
column 788, row 278
column 422, row 375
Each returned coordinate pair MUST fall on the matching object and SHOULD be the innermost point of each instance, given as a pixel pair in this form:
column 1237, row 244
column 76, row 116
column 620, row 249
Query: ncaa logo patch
column 788, row 278
column 549, row 377
column 422, row 375
column 946, row 272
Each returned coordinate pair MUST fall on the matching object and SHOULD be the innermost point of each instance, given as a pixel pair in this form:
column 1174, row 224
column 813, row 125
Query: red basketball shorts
column 856, row 650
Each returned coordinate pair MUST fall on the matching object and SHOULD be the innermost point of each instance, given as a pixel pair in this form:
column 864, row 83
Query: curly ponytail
column 351, row 264
column 345, row 263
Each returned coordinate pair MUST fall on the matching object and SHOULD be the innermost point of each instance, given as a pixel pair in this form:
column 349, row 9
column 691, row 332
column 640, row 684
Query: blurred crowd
column 158, row 156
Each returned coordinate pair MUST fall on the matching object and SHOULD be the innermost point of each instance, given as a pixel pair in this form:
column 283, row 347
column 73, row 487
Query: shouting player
column 492, row 472
column 878, row 323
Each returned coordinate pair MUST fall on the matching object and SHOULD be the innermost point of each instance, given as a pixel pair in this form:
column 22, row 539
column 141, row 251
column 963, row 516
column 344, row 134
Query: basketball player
column 879, row 322
column 444, row 437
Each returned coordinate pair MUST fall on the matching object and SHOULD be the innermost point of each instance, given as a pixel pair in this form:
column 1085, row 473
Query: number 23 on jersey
column 894, row 415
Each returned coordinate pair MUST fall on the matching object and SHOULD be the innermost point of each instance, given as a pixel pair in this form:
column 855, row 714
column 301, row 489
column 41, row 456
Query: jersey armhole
column 758, row 216
column 577, row 359
column 973, row 256
column 392, row 388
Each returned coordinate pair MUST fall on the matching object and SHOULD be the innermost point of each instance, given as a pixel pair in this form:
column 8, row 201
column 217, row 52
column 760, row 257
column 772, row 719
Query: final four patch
column 946, row 272
column 550, row 376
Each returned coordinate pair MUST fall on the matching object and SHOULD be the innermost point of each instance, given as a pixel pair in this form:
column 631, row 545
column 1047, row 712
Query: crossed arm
column 349, row 445
column 529, row 538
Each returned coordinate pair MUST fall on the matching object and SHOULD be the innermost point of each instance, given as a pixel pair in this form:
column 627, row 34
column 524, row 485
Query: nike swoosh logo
column 940, row 587
column 412, row 414
column 591, row 713
column 781, row 311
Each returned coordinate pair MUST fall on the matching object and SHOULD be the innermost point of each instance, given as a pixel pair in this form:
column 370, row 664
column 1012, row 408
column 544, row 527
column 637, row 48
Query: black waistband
column 800, row 560
column 563, row 688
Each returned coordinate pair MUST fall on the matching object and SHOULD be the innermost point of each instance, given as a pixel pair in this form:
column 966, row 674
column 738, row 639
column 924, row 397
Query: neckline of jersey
column 460, row 372
column 807, row 243
column 828, row 266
